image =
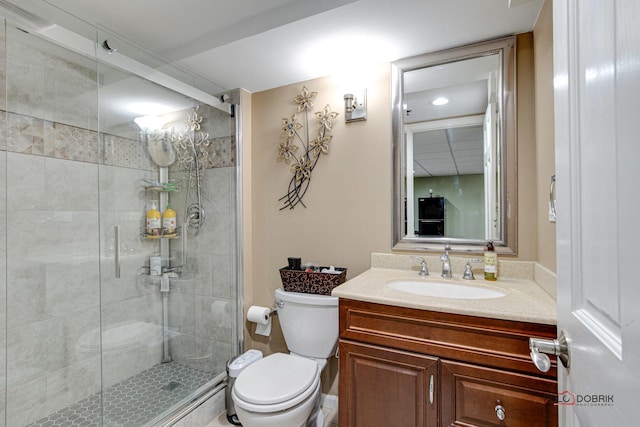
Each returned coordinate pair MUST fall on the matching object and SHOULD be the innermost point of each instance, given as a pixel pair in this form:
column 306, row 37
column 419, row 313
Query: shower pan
column 88, row 336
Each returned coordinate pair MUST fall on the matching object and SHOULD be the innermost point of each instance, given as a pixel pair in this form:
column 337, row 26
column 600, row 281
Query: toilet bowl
column 281, row 390
column 284, row 390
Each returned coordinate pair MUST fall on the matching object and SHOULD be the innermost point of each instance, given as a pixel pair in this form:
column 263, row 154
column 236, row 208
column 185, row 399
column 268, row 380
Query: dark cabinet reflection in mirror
column 454, row 148
column 431, row 216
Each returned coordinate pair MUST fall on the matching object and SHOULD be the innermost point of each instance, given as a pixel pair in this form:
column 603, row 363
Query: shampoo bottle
column 169, row 222
column 153, row 221
column 490, row 263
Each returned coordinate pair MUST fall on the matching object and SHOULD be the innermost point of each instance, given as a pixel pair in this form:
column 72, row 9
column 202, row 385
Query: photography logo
column 567, row 398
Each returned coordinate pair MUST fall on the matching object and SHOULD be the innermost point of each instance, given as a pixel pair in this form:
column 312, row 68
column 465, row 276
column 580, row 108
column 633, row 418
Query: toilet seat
column 276, row 383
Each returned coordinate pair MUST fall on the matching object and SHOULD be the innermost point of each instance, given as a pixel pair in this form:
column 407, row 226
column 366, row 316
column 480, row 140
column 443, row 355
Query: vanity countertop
column 524, row 301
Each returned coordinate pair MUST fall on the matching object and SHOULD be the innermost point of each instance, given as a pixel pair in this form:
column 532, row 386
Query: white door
column 597, row 107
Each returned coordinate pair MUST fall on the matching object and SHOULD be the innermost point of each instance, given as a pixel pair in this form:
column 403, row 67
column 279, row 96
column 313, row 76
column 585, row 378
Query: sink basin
column 444, row 290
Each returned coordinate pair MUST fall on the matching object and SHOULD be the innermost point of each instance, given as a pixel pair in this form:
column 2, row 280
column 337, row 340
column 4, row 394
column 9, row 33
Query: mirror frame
column 507, row 197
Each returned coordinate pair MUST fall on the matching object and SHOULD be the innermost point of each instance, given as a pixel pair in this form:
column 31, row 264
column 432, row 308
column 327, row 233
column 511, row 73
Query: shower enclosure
column 88, row 336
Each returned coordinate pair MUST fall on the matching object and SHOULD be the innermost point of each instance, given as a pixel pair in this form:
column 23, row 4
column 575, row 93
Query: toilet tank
column 309, row 323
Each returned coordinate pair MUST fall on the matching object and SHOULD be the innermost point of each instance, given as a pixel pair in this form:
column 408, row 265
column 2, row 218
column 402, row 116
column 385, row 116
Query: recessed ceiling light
column 440, row 101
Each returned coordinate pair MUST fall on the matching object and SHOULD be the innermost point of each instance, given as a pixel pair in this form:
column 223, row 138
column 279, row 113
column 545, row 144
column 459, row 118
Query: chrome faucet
column 446, row 262
column 423, row 266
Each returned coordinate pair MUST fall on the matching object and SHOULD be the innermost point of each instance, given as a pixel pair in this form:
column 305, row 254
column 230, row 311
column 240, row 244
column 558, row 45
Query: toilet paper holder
column 261, row 316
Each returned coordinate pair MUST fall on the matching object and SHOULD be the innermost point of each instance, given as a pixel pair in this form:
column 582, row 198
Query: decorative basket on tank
column 312, row 282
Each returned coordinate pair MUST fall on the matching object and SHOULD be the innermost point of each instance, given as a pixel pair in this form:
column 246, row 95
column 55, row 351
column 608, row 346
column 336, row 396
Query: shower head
column 160, row 149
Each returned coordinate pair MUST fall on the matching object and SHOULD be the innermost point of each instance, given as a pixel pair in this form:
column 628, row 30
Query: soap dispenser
column 169, row 222
column 153, row 221
column 490, row 263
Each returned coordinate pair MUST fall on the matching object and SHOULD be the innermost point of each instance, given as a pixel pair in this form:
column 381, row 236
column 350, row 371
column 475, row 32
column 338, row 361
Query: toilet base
column 306, row 414
column 316, row 419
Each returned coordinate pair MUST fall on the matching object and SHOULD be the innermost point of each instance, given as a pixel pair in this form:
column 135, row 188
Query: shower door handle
column 116, row 256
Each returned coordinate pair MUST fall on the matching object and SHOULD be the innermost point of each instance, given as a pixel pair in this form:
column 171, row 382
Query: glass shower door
column 51, row 162
column 88, row 335
column 3, row 231
column 166, row 333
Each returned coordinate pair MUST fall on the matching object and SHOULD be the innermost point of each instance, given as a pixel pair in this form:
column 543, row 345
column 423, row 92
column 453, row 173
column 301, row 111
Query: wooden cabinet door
column 381, row 387
column 485, row 397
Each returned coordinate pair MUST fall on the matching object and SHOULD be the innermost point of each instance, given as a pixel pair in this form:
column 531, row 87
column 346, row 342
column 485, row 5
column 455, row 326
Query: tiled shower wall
column 66, row 186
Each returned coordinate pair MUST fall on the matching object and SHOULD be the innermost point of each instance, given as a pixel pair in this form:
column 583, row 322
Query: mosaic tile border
column 29, row 135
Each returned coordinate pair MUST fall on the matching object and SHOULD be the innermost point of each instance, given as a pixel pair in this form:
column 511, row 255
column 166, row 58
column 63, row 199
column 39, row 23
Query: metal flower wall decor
column 193, row 155
column 302, row 164
column 191, row 146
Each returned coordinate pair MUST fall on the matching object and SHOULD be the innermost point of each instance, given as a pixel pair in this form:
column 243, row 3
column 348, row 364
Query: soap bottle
column 153, row 221
column 490, row 263
column 169, row 222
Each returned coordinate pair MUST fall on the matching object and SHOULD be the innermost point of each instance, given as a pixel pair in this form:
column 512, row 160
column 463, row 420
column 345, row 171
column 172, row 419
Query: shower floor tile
column 134, row 401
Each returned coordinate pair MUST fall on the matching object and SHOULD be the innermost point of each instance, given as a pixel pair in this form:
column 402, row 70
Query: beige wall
column 543, row 42
column 348, row 214
column 247, row 204
column 527, row 200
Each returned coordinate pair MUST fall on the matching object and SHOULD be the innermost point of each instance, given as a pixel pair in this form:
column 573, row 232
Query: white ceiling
column 464, row 83
column 262, row 44
column 450, row 150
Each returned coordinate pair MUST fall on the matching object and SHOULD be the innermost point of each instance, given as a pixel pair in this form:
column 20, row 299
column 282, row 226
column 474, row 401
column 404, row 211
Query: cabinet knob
column 500, row 412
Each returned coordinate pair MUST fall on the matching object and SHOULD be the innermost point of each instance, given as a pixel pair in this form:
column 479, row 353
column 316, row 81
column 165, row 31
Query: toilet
column 283, row 390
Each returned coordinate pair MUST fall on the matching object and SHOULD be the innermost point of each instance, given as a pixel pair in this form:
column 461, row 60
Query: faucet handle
column 468, row 273
column 423, row 265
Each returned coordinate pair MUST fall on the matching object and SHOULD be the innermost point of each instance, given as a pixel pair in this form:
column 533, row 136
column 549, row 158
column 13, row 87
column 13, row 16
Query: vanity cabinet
column 408, row 367
column 387, row 387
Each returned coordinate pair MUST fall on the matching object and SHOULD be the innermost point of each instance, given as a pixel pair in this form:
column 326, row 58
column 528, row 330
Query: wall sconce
column 355, row 106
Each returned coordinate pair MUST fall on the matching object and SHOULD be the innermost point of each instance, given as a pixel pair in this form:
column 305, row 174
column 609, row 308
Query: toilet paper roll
column 260, row 316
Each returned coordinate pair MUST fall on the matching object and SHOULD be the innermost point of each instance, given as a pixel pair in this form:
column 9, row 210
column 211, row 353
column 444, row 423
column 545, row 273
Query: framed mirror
column 454, row 130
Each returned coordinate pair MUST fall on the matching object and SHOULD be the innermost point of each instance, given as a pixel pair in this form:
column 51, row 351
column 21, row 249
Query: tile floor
column 330, row 419
column 132, row 402
column 136, row 400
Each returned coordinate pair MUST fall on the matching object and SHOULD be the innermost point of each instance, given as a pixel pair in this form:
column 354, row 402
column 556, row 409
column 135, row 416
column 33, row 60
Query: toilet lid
column 275, row 379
